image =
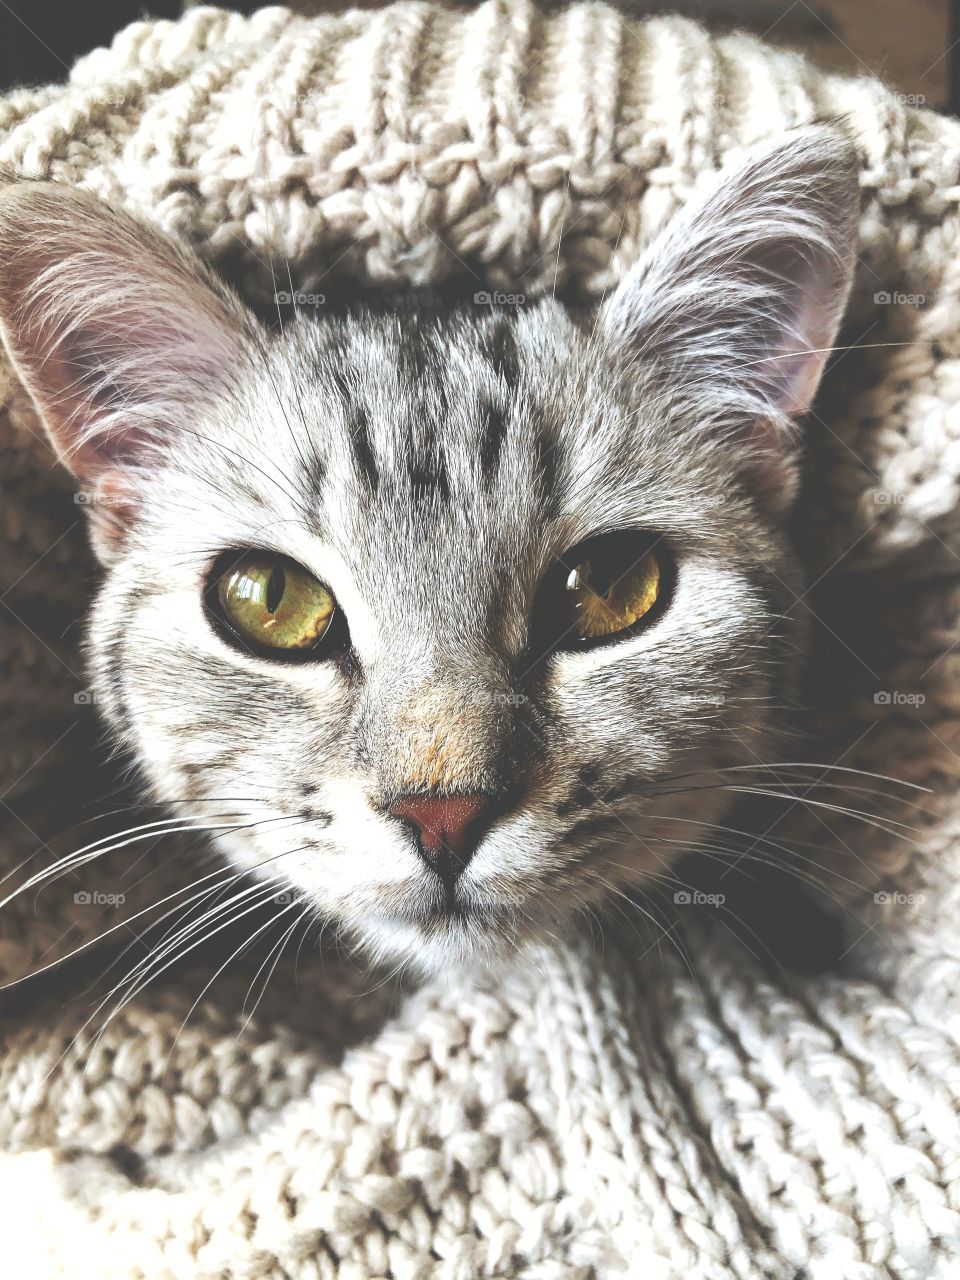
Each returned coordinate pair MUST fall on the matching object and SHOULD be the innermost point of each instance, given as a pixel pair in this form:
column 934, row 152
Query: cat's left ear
column 737, row 305
column 119, row 335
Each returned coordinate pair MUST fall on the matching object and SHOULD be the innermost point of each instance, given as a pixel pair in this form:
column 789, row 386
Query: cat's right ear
column 117, row 333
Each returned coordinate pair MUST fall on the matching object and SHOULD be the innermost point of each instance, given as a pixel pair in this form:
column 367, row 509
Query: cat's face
column 460, row 610
column 433, row 489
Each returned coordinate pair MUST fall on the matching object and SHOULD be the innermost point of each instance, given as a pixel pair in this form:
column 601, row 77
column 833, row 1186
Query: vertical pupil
column 598, row 577
column 275, row 589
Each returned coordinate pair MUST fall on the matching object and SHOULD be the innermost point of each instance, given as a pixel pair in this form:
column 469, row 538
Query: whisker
column 279, row 948
column 105, row 845
column 228, row 876
column 244, row 946
column 869, row 819
column 136, row 986
column 151, row 968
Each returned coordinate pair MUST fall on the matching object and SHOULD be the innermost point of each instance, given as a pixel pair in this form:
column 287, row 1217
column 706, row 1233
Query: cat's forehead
column 429, row 381
column 429, row 416
column 425, row 415
column 470, row 443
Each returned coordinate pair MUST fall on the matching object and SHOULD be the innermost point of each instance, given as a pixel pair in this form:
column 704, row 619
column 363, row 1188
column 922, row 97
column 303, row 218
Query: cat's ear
column 118, row 335
column 738, row 303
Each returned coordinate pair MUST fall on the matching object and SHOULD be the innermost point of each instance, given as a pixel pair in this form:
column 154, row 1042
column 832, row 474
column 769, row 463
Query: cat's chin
column 442, row 938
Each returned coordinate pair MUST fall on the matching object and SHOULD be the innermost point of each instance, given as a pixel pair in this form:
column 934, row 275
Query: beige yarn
column 594, row 1112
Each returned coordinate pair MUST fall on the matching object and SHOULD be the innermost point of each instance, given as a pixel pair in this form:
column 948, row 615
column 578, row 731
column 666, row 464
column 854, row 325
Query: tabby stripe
column 362, row 447
column 546, row 468
column 430, row 477
column 500, row 349
column 493, row 433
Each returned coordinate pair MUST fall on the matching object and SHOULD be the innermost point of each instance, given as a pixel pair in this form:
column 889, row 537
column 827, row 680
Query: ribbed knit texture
column 595, row 1111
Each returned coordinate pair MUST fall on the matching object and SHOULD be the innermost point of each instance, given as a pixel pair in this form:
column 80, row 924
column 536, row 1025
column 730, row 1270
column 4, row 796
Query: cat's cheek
column 353, row 863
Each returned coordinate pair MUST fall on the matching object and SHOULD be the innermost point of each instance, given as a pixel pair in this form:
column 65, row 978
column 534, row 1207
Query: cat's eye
column 604, row 589
column 273, row 604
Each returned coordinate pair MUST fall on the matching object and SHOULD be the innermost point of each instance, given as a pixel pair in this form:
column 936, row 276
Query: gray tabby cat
column 470, row 608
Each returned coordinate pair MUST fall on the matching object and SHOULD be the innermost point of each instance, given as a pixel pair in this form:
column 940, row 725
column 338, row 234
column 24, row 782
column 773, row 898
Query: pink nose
column 449, row 828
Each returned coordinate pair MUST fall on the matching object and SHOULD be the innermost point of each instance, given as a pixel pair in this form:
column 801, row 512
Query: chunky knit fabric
column 596, row 1111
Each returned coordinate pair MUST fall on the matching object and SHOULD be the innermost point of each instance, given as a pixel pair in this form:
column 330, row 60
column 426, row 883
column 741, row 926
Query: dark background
column 913, row 44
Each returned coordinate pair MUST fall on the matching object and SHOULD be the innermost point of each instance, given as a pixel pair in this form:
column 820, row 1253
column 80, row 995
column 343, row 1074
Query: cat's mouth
column 448, row 911
column 443, row 933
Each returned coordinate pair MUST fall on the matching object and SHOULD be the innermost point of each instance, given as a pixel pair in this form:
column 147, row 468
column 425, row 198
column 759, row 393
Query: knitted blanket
column 631, row 1106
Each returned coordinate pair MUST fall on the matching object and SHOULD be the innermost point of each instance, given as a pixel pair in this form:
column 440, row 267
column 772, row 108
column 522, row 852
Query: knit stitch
column 595, row 1111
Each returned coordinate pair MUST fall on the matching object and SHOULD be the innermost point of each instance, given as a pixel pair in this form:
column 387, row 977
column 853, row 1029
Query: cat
column 474, row 609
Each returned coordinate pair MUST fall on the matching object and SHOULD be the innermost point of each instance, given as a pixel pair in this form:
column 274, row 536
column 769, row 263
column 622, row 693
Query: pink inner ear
column 802, row 387
column 803, row 348
column 742, row 295
column 63, row 392
column 118, row 333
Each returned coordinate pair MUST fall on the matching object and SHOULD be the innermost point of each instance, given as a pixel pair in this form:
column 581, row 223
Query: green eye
column 608, row 586
column 275, row 603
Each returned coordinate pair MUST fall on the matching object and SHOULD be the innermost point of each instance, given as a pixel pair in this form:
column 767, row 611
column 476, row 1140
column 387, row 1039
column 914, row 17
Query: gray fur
column 430, row 466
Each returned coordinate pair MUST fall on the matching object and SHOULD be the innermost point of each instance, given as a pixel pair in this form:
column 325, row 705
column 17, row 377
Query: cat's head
column 461, row 610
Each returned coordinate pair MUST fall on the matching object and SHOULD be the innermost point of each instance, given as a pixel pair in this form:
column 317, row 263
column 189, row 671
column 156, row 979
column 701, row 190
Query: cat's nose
column 448, row 828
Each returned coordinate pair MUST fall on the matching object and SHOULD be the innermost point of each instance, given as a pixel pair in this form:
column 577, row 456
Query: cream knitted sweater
column 595, row 1112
